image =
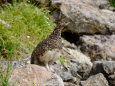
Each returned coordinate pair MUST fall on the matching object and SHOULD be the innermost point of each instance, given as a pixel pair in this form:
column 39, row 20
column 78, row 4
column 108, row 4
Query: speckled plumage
column 46, row 51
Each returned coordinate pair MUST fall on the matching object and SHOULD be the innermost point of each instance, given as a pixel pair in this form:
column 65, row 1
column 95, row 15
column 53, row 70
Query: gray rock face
column 74, row 70
column 89, row 16
column 95, row 80
column 107, row 68
column 111, row 79
column 66, row 76
column 33, row 75
column 12, row 64
column 98, row 47
column 69, row 84
column 97, row 67
column 25, row 60
column 78, row 62
column 70, row 51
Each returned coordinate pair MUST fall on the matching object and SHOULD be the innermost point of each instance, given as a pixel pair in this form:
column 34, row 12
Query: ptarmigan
column 48, row 50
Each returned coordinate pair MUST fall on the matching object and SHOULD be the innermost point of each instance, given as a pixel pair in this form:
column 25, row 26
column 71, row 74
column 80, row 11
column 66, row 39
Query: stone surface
column 66, row 76
column 12, row 64
column 25, row 60
column 97, row 68
column 33, row 75
column 66, row 72
column 107, row 67
column 70, row 51
column 69, row 84
column 111, row 79
column 89, row 16
column 76, row 62
column 95, row 80
column 98, row 47
column 74, row 70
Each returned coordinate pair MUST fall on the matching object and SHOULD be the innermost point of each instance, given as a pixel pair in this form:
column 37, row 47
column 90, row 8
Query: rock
column 89, row 16
column 107, row 67
column 34, row 75
column 98, row 47
column 95, row 80
column 12, row 64
column 111, row 79
column 83, row 62
column 54, row 81
column 66, row 76
column 67, row 72
column 70, row 51
column 57, row 67
column 97, row 68
column 74, row 70
column 25, row 60
column 112, row 83
column 77, row 63
column 69, row 84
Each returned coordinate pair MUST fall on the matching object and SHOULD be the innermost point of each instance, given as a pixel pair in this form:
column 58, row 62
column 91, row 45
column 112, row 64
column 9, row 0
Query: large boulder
column 107, row 68
column 34, row 75
column 88, row 16
column 95, row 80
column 98, row 47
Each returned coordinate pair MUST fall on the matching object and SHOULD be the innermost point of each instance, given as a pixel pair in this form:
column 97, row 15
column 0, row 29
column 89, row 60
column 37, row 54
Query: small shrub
column 112, row 2
column 29, row 25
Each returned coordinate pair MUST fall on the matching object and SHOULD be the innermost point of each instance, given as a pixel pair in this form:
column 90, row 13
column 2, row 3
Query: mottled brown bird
column 48, row 50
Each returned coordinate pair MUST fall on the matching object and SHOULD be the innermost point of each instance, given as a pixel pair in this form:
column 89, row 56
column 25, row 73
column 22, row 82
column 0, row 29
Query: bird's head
column 61, row 26
column 64, row 23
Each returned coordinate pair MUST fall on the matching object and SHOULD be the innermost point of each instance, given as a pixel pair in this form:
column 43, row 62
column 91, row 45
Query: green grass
column 62, row 60
column 112, row 3
column 5, row 73
column 29, row 25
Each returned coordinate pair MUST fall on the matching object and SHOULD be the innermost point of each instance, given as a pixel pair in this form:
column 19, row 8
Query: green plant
column 5, row 73
column 29, row 25
column 62, row 60
column 112, row 3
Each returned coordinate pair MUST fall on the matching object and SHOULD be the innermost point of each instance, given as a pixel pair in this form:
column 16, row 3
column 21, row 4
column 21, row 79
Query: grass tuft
column 28, row 26
column 5, row 73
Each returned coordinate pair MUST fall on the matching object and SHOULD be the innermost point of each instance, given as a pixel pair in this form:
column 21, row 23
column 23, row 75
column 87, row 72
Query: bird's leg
column 47, row 67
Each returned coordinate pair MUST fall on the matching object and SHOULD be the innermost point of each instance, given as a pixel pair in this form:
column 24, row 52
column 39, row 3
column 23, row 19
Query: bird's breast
column 50, row 55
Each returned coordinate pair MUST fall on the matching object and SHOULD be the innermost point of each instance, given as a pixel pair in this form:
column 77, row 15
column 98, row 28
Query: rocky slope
column 88, row 48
